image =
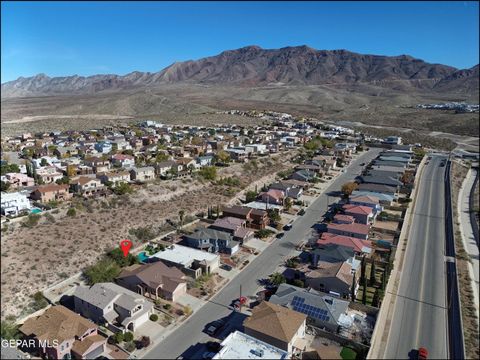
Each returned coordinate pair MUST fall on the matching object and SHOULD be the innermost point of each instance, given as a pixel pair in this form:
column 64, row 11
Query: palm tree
column 364, row 294
column 352, row 290
column 372, row 280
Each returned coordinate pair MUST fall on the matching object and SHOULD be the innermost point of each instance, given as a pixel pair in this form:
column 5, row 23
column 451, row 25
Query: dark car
column 214, row 327
column 287, row 227
column 214, row 346
column 362, row 164
column 301, row 212
column 226, row 267
column 279, row 235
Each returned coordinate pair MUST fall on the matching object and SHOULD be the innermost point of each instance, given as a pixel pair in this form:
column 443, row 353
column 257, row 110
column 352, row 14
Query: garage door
column 93, row 354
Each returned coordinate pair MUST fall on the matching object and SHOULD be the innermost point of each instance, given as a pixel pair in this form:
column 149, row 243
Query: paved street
column 420, row 317
column 187, row 337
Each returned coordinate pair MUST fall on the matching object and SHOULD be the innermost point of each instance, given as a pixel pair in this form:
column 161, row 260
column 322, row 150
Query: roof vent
column 257, row 352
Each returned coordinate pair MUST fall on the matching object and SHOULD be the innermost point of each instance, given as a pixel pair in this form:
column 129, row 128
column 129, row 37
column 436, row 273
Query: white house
column 13, row 203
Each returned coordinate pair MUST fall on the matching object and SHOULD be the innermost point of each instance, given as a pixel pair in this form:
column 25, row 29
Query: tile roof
column 352, row 228
column 357, row 209
column 275, row 321
column 57, row 323
column 80, row 347
column 357, row 245
column 340, row 270
column 365, row 199
column 239, row 210
column 155, row 274
column 51, row 187
column 343, row 218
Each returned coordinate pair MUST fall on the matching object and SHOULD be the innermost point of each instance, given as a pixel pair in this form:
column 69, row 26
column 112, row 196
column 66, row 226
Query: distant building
column 13, row 203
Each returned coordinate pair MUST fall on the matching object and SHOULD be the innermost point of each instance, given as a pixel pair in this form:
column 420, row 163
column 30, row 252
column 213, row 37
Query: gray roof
column 385, row 173
column 385, row 180
column 334, row 253
column 389, row 163
column 102, row 294
column 207, row 233
column 333, row 305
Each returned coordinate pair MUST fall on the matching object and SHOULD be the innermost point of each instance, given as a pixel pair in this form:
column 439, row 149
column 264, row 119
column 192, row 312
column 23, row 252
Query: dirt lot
column 34, row 258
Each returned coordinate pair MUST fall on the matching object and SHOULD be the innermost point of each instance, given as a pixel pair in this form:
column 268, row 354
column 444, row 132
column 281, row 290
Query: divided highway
column 185, row 339
column 420, row 312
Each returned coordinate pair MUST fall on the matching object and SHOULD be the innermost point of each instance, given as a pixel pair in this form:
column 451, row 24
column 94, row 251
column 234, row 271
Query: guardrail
column 454, row 314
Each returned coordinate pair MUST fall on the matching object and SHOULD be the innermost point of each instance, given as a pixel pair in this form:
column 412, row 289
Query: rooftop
column 184, row 255
column 238, row 345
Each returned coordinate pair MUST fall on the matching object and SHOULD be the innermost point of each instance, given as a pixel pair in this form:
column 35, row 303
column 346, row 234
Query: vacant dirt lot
column 34, row 258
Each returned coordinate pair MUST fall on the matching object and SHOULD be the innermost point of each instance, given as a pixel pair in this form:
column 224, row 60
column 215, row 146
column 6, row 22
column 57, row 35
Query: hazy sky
column 85, row 38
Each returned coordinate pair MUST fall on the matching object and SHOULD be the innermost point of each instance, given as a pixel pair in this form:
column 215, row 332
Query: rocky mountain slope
column 254, row 66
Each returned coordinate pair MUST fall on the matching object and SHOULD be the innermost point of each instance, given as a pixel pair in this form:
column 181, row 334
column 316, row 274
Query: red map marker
column 125, row 245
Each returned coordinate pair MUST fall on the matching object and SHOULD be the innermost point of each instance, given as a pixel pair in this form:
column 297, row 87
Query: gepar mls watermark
column 29, row 343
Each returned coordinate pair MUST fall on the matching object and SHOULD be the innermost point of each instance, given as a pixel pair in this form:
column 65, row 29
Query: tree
column 277, row 279
column 63, row 180
column 362, row 268
column 44, row 162
column 250, row 196
column 298, row 283
column 223, row 156
column 4, row 185
column 348, row 188
column 376, row 298
column 122, row 261
column 384, row 280
column 288, row 204
column 208, row 172
column 364, row 294
column 154, row 317
column 71, row 171
column 144, row 342
column 352, row 290
column 274, row 215
column 9, row 168
column 118, row 337
column 106, row 270
column 128, row 336
column 181, row 214
column 372, row 280
column 9, row 330
column 122, row 188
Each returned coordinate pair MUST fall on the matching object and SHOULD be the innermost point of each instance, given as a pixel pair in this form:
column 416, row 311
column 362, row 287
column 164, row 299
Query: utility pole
column 240, row 299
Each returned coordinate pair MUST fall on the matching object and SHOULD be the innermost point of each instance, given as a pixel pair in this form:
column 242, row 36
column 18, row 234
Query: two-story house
column 86, row 186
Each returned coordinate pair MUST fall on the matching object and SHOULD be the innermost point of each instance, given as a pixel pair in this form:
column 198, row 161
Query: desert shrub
column 208, row 172
column 9, row 330
column 39, row 301
column 31, row 221
column 167, row 306
column 154, row 317
column 106, row 270
column 130, row 346
column 71, row 212
column 263, row 233
column 143, row 233
column 121, row 260
column 49, row 217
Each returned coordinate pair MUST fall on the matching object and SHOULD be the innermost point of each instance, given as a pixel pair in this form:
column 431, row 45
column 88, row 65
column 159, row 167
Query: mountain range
column 253, row 66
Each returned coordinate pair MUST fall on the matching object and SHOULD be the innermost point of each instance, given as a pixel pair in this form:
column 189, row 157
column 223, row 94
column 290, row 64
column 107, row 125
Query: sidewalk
column 468, row 238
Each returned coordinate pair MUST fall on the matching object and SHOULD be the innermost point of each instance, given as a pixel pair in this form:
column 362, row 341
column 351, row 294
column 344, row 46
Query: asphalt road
column 186, row 340
column 420, row 315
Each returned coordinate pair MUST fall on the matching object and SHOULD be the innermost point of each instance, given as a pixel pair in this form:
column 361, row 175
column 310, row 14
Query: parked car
column 362, row 164
column 280, row 235
column 422, row 353
column 301, row 212
column 215, row 327
column 226, row 267
column 287, row 227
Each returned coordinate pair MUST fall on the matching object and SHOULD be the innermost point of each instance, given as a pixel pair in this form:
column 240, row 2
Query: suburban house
column 204, row 160
column 333, row 253
column 322, row 310
column 51, row 192
column 114, row 177
column 122, row 160
column 238, row 345
column 383, row 198
column 212, row 240
column 235, row 227
column 382, row 180
column 343, row 219
column 86, row 186
column 272, row 197
column 369, row 200
column 303, row 175
column 384, row 189
column 361, row 214
column 108, row 303
column 13, row 203
column 359, row 231
column 154, row 280
column 162, row 168
column 142, row 173
column 191, row 262
column 255, row 218
column 97, row 164
column 49, row 174
column 358, row 245
column 17, row 180
column 333, row 278
column 278, row 326
column 59, row 333
column 103, row 147
column 288, row 190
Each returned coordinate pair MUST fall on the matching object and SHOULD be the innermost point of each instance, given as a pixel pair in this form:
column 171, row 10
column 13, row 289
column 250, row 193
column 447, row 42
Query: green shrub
column 167, row 306
column 128, row 336
column 130, row 346
column 119, row 337
column 31, row 221
column 154, row 317
column 71, row 212
column 106, row 270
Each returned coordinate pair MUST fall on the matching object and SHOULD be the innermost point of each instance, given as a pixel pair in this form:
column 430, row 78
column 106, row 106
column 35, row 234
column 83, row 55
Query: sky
column 87, row 38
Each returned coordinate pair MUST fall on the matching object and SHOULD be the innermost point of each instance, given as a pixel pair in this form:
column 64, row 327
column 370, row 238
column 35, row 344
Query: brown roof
column 340, row 270
column 80, row 347
column 82, row 180
column 274, row 320
column 155, row 274
column 57, row 323
column 51, row 187
column 239, row 210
